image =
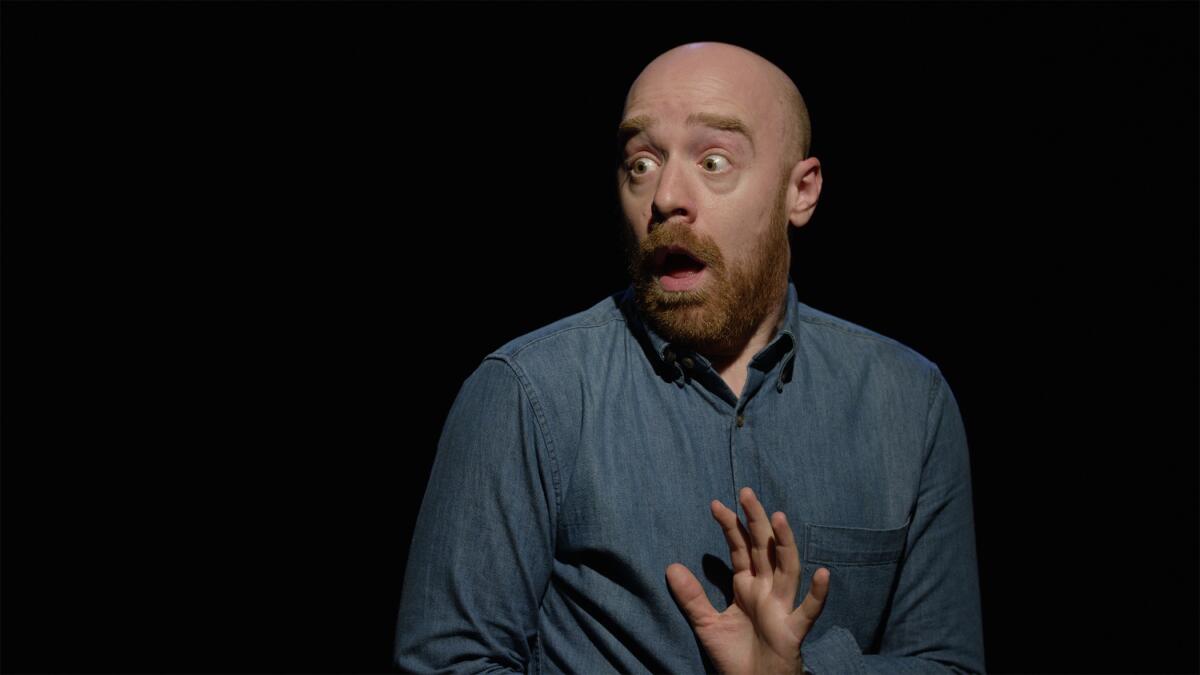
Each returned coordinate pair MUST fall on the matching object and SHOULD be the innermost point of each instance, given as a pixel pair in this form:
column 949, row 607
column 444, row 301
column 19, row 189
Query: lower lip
column 682, row 281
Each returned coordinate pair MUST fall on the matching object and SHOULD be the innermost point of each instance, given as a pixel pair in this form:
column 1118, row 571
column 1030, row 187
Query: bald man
column 700, row 440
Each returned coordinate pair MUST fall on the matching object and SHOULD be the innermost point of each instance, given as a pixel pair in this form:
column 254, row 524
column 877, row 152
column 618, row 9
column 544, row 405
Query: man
column 567, row 525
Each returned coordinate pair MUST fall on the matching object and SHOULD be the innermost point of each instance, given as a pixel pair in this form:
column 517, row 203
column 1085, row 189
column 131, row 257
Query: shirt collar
column 781, row 347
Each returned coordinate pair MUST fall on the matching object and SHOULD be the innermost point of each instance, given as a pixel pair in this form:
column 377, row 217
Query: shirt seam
column 856, row 333
column 556, row 333
column 931, row 397
column 542, row 426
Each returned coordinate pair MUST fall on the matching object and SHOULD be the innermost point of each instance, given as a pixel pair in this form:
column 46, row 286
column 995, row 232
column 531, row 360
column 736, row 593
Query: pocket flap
column 855, row 546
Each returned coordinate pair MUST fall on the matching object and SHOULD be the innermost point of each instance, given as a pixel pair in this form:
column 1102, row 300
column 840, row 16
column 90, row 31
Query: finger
column 787, row 555
column 760, row 532
column 806, row 614
column 689, row 594
column 735, row 535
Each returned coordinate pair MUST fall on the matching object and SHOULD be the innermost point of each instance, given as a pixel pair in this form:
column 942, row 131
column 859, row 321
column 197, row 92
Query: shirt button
column 741, row 420
column 687, row 362
column 670, row 356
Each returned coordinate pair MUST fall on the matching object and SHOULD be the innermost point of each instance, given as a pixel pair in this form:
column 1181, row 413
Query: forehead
column 671, row 94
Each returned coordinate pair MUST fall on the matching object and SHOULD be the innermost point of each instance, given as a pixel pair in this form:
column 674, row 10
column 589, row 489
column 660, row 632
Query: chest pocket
column 863, row 565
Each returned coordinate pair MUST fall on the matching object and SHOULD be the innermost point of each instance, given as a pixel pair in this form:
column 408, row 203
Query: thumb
column 689, row 594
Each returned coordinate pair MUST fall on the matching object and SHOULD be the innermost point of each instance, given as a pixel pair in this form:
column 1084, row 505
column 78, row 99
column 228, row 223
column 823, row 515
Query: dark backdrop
column 252, row 251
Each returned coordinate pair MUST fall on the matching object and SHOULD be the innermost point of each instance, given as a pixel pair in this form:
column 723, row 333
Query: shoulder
column 568, row 345
column 840, row 345
column 550, row 370
column 567, row 335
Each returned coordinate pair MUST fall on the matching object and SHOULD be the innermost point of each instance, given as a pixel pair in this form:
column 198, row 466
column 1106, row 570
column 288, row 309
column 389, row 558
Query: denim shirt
column 578, row 461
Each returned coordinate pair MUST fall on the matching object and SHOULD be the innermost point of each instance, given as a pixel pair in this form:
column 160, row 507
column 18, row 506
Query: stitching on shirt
column 926, row 447
column 565, row 329
column 857, row 333
column 543, row 428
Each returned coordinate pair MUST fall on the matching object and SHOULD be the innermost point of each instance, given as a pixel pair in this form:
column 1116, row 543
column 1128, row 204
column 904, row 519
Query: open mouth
column 677, row 262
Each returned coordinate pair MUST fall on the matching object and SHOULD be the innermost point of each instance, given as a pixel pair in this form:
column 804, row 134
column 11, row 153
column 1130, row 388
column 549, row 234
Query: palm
column 760, row 632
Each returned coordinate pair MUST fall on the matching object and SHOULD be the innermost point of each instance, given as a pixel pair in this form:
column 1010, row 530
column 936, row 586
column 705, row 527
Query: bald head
column 739, row 76
column 713, row 160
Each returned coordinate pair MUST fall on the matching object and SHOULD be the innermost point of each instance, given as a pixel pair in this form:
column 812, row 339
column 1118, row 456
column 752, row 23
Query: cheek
column 636, row 212
column 633, row 225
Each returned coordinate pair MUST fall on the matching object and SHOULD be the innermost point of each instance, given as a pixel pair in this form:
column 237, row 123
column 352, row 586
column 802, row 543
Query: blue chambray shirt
column 579, row 460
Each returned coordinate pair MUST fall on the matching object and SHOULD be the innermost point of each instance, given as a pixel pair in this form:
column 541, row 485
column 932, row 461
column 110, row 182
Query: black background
column 250, row 252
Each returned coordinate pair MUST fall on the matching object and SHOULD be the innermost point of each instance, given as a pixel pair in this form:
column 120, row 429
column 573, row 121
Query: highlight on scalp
column 797, row 125
column 800, row 126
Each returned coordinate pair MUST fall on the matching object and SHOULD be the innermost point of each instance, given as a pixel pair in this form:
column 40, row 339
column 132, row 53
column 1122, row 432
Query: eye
column 641, row 166
column 714, row 163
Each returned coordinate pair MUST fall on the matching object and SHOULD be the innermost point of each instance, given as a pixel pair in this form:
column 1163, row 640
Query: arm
column 934, row 624
column 483, row 545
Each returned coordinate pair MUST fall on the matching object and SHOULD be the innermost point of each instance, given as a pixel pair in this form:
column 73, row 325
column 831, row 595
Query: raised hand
column 760, row 632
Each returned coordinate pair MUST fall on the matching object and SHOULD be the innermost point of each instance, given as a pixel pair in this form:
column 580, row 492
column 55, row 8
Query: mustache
column 668, row 235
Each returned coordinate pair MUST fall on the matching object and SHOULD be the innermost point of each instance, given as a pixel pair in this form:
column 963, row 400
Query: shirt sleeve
column 934, row 624
column 482, row 548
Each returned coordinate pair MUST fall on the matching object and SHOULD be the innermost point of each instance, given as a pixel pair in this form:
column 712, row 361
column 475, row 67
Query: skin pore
column 714, row 143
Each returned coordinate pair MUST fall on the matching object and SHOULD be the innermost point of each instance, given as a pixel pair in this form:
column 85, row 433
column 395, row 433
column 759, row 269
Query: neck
column 731, row 361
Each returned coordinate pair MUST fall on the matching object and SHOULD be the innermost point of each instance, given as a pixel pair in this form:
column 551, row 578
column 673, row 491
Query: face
column 714, row 309
column 703, row 190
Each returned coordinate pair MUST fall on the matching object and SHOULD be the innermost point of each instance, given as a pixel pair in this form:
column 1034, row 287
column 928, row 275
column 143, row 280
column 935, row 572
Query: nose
column 673, row 196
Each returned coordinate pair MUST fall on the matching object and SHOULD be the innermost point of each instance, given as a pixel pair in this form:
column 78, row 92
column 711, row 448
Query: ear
column 804, row 188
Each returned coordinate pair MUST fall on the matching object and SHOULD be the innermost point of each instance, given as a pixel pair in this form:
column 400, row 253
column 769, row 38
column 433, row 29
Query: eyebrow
column 640, row 123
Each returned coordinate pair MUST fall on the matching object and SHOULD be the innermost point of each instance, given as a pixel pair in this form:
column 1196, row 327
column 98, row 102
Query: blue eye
column 714, row 163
